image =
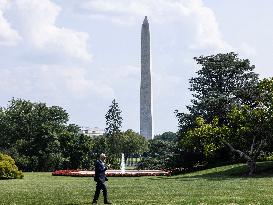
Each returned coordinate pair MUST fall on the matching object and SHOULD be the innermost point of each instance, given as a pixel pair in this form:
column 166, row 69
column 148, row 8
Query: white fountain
column 122, row 164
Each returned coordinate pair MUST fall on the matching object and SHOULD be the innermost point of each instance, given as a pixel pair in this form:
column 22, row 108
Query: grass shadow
column 263, row 169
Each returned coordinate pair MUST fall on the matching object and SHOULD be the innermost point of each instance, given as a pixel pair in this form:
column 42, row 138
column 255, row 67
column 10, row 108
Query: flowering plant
column 111, row 173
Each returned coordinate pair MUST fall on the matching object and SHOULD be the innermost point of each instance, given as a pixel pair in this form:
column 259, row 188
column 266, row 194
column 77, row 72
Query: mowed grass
column 222, row 185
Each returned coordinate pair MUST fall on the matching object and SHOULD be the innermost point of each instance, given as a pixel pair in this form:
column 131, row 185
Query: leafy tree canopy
column 247, row 133
column 133, row 143
column 113, row 120
column 222, row 81
column 38, row 138
column 166, row 136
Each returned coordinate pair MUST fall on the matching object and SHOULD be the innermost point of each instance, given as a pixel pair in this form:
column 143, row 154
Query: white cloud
column 208, row 33
column 53, row 81
column 36, row 21
column 40, row 25
column 185, row 12
column 8, row 36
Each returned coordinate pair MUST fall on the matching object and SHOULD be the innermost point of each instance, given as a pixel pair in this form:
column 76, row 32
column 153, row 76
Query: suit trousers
column 100, row 186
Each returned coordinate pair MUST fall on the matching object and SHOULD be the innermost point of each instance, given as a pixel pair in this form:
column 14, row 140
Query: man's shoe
column 107, row 202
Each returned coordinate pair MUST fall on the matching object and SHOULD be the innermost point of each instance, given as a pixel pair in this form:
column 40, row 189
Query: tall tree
column 223, row 80
column 113, row 120
column 113, row 132
column 247, row 133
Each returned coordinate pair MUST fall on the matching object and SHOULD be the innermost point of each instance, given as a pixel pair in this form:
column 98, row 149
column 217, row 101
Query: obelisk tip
column 145, row 20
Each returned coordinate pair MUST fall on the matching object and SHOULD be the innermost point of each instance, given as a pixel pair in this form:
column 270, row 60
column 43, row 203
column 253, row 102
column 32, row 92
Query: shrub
column 150, row 163
column 266, row 156
column 8, row 169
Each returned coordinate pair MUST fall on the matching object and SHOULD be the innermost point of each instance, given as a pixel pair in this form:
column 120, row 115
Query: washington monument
column 146, row 93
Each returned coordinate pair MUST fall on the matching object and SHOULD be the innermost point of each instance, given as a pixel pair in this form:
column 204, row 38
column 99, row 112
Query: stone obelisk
column 146, row 94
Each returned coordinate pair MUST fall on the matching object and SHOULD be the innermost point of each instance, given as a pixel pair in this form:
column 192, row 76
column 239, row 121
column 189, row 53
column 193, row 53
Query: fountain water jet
column 122, row 164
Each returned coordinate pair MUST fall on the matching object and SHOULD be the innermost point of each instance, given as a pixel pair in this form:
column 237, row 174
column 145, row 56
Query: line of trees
column 39, row 138
column 229, row 120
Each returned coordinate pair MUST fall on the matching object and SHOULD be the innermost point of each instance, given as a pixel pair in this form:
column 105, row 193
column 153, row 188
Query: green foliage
column 77, row 150
column 31, row 133
column 166, row 136
column 160, row 148
column 133, row 143
column 129, row 142
column 206, row 138
column 230, row 107
column 161, row 154
column 223, row 81
column 250, row 126
column 38, row 138
column 150, row 163
column 113, row 132
column 248, row 130
column 265, row 156
column 8, row 169
column 113, row 120
column 100, row 146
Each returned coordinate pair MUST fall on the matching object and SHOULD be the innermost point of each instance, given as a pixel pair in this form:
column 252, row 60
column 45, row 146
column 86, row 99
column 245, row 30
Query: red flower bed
column 64, row 172
column 111, row 173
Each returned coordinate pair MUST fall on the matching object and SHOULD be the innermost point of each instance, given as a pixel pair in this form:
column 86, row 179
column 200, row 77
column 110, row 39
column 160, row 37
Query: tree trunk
column 251, row 163
column 251, row 166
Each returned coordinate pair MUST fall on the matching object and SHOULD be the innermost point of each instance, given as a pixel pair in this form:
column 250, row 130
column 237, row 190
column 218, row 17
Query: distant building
column 91, row 132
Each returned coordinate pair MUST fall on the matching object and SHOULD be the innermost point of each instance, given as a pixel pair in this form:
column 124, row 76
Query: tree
column 38, row 138
column 113, row 120
column 166, row 136
column 223, row 80
column 160, row 155
column 133, row 143
column 113, row 132
column 76, row 149
column 100, row 146
column 31, row 133
column 248, row 131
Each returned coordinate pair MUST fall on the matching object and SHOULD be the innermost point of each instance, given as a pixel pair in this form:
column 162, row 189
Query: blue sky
column 81, row 54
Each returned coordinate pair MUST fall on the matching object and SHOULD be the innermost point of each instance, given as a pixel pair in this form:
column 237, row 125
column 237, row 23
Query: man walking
column 100, row 178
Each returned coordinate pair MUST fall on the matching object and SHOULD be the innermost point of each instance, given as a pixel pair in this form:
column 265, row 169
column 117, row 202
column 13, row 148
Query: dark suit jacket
column 100, row 169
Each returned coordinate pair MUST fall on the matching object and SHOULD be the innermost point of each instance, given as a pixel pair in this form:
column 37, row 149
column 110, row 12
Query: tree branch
column 252, row 146
column 262, row 143
column 242, row 154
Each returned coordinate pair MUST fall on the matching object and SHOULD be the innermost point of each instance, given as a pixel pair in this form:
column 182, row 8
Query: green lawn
column 220, row 185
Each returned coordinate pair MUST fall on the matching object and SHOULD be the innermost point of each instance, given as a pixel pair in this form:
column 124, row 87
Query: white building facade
column 92, row 132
